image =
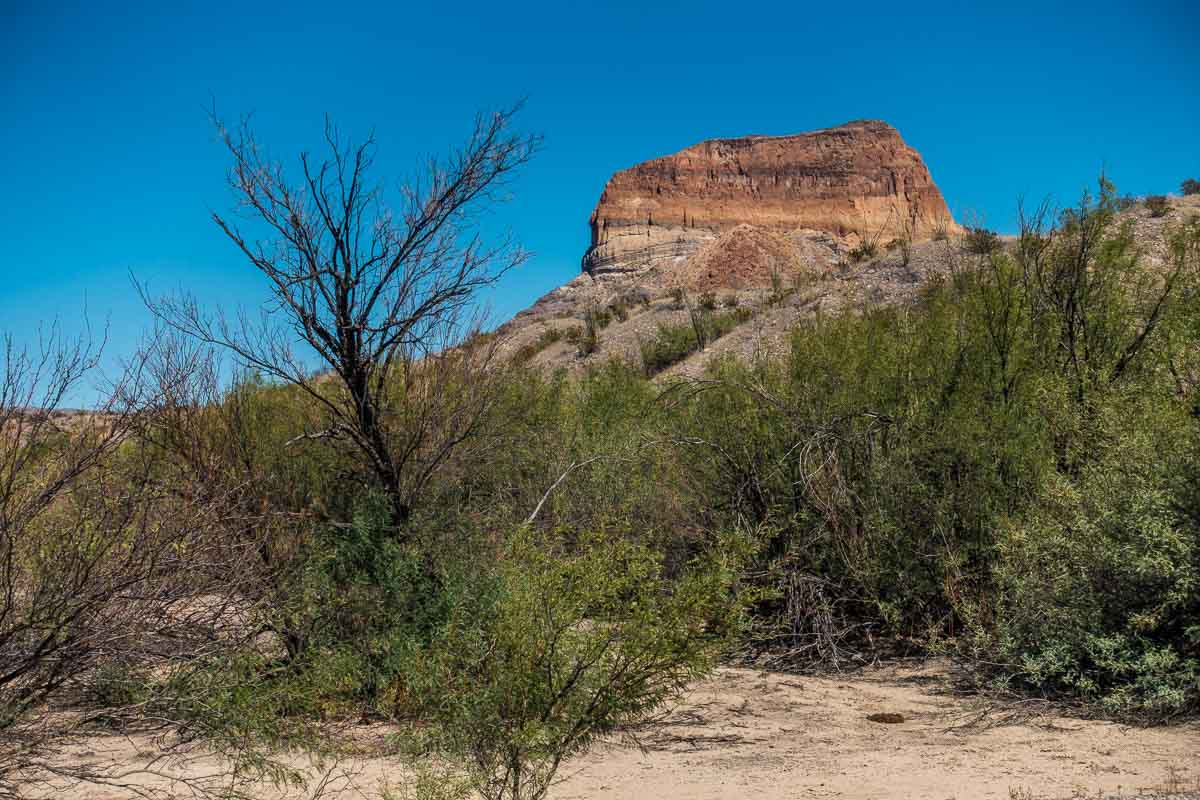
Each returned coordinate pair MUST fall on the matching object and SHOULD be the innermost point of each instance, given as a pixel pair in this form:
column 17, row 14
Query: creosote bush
column 545, row 339
column 981, row 241
column 1158, row 205
column 567, row 639
column 673, row 343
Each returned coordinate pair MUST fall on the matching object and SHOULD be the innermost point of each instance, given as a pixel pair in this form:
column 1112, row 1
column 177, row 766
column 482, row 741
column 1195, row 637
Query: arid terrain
column 724, row 249
column 750, row 734
column 775, row 229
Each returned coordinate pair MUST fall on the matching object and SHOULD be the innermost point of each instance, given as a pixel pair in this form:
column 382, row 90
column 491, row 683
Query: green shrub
column 1189, row 187
column 1097, row 583
column 673, row 343
column 707, row 301
column 570, row 638
column 981, row 241
column 585, row 337
column 545, row 339
column 670, row 345
column 1158, row 205
column 589, row 341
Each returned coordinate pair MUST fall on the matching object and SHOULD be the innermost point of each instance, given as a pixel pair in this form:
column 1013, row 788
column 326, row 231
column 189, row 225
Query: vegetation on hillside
column 506, row 565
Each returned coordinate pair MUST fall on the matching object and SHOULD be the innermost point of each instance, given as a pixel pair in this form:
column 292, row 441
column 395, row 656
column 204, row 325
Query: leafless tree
column 383, row 294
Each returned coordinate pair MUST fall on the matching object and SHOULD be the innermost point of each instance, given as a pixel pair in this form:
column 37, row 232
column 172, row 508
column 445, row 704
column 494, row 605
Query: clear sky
column 108, row 164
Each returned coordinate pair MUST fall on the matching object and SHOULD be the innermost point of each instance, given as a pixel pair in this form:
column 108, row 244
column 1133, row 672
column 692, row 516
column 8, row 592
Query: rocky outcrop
column 858, row 180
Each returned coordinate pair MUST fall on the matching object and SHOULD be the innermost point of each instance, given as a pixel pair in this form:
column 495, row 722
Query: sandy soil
column 745, row 733
column 768, row 735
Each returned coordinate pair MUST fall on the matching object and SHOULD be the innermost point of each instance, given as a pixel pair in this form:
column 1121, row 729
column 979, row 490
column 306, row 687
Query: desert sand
column 749, row 734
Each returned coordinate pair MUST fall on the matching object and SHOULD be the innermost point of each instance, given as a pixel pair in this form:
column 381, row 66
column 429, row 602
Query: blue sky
column 108, row 164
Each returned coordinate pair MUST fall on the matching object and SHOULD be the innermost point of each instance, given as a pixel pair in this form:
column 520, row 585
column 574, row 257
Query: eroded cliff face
column 858, row 180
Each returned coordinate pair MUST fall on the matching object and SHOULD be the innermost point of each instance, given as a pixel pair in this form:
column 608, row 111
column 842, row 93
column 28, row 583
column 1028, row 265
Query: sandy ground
column 767, row 735
column 749, row 734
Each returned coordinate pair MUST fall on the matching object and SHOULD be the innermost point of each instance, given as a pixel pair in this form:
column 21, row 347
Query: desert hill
column 754, row 234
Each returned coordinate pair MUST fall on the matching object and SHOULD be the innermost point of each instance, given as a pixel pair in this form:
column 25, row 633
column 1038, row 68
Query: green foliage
column 673, row 343
column 569, row 638
column 1158, row 205
column 670, row 345
column 1005, row 468
column 366, row 597
column 587, row 338
column 1098, row 582
column 545, row 339
column 912, row 464
column 1190, row 186
column 981, row 241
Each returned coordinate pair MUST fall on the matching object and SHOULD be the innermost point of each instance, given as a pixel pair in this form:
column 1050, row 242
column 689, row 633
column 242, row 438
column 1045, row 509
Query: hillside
column 777, row 228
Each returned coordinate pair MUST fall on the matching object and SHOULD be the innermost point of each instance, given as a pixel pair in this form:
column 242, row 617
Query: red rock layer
column 858, row 178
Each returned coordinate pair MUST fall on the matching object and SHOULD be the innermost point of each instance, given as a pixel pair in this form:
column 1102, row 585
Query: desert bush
column 925, row 436
column 121, row 580
column 779, row 292
column 707, row 301
column 588, row 340
column 670, row 345
column 1158, row 205
column 567, row 639
column 941, row 229
column 600, row 318
column 545, row 339
column 865, row 251
column 1095, row 594
column 1126, row 202
column 730, row 301
column 1190, row 186
column 981, row 241
column 619, row 310
column 673, row 343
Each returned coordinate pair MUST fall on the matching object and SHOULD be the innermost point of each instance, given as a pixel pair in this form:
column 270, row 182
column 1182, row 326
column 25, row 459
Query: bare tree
column 382, row 294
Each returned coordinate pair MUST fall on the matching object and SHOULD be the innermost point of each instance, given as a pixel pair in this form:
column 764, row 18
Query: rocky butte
column 854, row 182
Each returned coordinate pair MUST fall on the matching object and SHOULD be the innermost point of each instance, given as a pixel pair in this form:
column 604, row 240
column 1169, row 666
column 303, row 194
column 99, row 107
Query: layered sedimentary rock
column 856, row 180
